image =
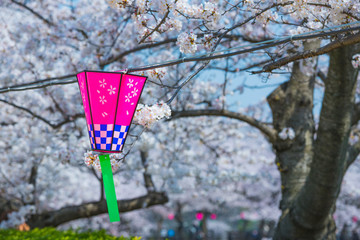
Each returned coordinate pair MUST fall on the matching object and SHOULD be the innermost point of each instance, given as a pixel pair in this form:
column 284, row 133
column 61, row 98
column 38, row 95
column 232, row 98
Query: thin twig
column 33, row 12
column 68, row 79
column 349, row 40
column 157, row 27
column 53, row 125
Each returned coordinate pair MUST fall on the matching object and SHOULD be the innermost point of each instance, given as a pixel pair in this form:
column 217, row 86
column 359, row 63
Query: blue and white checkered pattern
column 91, row 135
column 104, row 139
column 120, row 133
column 103, row 134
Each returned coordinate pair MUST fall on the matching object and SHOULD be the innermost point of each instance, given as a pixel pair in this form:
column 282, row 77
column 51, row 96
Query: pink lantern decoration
column 110, row 100
column 354, row 219
column 213, row 216
column 199, row 216
column 171, row 216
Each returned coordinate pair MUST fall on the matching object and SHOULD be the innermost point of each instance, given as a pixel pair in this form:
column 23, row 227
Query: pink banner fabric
column 109, row 100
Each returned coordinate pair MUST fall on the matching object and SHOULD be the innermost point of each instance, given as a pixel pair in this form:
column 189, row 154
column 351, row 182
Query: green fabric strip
column 109, row 188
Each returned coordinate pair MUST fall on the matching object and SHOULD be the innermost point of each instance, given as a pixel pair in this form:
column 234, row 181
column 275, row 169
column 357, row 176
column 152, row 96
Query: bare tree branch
column 349, row 40
column 266, row 130
column 203, row 66
column 252, row 18
column 33, row 12
column 170, row 40
column 8, row 206
column 86, row 210
column 235, row 70
column 329, row 6
column 139, row 48
column 68, row 79
column 53, row 125
column 157, row 26
column 149, row 184
column 321, row 75
column 62, row 80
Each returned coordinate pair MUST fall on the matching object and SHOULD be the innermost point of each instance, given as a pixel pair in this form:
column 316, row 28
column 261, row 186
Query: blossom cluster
column 356, row 61
column 179, row 151
column 120, row 3
column 187, row 42
column 323, row 13
column 153, row 18
column 171, row 24
column 147, row 115
column 157, row 73
column 207, row 11
column 287, row 133
column 92, row 159
column 209, row 41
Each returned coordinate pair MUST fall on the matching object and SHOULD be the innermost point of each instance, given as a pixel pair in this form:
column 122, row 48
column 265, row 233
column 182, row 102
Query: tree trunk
column 312, row 172
column 292, row 106
column 180, row 220
column 204, row 227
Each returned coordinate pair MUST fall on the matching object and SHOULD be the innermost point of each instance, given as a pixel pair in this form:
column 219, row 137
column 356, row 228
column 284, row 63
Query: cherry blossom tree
column 203, row 151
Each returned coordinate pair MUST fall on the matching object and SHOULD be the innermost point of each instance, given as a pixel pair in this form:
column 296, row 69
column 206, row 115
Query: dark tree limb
column 136, row 49
column 53, row 125
column 101, row 181
column 252, row 18
column 149, row 184
column 8, row 206
column 156, row 29
column 167, row 41
column 266, row 130
column 86, row 210
column 68, row 79
column 38, row 15
column 236, row 70
column 321, row 75
column 32, row 180
column 345, row 41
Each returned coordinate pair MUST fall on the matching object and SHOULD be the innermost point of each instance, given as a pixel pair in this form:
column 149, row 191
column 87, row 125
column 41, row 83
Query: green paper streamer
column 109, row 187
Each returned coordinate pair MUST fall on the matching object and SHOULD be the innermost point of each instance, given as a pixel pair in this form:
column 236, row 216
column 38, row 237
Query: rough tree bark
column 66, row 214
column 312, row 170
column 312, row 165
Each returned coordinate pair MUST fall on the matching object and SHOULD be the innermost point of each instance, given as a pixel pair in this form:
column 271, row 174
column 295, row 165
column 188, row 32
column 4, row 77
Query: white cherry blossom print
column 134, row 92
column 112, row 90
column 130, row 83
column 128, row 97
column 102, row 99
column 102, row 83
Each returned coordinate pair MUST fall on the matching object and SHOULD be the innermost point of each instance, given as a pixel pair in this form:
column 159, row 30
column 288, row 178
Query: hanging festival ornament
column 109, row 100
